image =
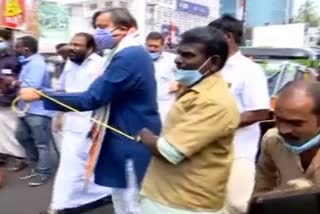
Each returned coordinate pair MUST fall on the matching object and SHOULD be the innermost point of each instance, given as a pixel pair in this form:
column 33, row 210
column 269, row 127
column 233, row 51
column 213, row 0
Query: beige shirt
column 278, row 165
column 201, row 125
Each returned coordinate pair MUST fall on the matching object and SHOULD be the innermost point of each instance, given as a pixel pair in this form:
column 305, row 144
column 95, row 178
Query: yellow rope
column 14, row 106
column 74, row 110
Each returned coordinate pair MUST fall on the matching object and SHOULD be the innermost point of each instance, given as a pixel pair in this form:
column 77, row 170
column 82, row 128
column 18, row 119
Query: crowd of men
column 189, row 121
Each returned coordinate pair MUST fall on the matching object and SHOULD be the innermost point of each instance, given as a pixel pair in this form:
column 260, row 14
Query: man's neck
column 88, row 55
column 233, row 51
column 307, row 157
column 29, row 55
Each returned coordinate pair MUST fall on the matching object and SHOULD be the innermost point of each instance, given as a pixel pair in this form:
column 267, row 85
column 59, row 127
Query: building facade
column 268, row 12
column 171, row 17
column 181, row 15
column 152, row 15
column 229, row 7
column 259, row 12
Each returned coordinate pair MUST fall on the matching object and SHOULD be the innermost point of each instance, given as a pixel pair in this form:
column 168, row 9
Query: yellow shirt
column 201, row 126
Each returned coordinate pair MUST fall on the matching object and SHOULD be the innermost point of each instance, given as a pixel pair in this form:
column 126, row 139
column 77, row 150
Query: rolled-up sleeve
column 115, row 81
column 204, row 124
column 169, row 152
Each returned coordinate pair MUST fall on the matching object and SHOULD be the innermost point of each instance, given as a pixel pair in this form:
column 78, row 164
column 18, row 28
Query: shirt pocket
column 236, row 88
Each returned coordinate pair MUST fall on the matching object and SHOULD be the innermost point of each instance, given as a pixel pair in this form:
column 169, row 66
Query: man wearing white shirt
column 82, row 68
column 248, row 84
column 165, row 68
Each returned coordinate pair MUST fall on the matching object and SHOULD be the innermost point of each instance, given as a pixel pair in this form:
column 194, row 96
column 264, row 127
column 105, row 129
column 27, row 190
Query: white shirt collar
column 232, row 60
column 93, row 57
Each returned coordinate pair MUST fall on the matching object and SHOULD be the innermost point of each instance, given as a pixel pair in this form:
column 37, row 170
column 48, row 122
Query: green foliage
column 308, row 14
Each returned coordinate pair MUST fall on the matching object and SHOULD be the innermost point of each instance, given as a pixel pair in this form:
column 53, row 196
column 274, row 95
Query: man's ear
column 228, row 36
column 216, row 62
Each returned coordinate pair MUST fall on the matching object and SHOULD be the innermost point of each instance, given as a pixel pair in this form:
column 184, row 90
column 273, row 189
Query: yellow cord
column 14, row 106
column 75, row 110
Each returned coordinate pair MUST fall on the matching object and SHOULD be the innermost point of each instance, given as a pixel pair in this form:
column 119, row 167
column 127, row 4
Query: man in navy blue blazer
column 128, row 85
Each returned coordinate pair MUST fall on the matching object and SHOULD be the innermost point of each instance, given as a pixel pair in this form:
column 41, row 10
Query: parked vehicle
column 283, row 65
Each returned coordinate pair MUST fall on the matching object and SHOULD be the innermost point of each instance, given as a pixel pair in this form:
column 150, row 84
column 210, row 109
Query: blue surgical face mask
column 3, row 46
column 155, row 55
column 190, row 77
column 300, row 147
column 104, row 39
column 21, row 59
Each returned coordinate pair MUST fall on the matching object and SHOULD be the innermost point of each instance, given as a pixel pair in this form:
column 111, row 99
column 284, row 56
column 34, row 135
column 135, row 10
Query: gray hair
column 121, row 17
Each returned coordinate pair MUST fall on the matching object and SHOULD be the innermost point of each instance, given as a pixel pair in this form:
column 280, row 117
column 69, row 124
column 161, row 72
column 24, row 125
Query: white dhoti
column 127, row 200
column 8, row 143
column 68, row 189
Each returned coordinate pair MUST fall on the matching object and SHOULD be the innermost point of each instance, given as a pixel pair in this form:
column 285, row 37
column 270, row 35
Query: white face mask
column 3, row 45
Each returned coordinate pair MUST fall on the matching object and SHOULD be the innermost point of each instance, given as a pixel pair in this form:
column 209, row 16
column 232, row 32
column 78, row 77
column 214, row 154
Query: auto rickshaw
column 282, row 66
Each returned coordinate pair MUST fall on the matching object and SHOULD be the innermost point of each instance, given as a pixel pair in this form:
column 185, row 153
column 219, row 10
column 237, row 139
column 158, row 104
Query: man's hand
column 300, row 184
column 174, row 87
column 147, row 137
column 58, row 123
column 150, row 140
column 29, row 94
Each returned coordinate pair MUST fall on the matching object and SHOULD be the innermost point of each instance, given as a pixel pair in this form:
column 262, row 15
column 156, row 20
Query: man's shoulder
column 134, row 56
column 132, row 51
column 224, row 99
column 247, row 65
column 272, row 139
column 37, row 59
column 96, row 57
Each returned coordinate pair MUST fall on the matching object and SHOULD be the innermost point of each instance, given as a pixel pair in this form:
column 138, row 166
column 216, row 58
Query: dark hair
column 61, row 45
column 121, row 17
column 90, row 40
column 29, row 42
column 229, row 24
column 212, row 40
column 156, row 36
column 94, row 19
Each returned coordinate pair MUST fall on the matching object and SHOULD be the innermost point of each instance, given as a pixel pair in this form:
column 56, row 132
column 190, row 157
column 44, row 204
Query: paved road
column 17, row 198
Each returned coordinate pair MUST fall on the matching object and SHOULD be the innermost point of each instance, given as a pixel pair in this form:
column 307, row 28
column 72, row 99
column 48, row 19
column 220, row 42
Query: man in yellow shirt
column 192, row 157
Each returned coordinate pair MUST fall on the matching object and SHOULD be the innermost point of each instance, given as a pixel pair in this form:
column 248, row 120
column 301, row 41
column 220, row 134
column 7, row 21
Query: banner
column 13, row 14
column 53, row 23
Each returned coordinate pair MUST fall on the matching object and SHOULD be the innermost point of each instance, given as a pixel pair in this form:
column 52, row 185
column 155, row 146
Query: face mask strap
column 204, row 64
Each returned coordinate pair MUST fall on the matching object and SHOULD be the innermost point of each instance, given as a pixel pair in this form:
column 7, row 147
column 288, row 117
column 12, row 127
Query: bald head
column 297, row 112
column 298, row 92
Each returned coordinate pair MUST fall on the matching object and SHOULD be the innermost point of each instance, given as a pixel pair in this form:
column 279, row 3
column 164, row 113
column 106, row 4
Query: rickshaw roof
column 268, row 52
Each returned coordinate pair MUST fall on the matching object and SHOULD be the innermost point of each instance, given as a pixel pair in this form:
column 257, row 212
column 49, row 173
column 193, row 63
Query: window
column 124, row 4
column 93, row 6
column 108, row 4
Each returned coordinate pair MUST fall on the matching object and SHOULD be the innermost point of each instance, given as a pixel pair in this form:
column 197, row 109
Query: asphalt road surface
column 17, row 198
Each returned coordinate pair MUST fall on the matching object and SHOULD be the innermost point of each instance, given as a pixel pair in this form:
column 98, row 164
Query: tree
column 308, row 14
